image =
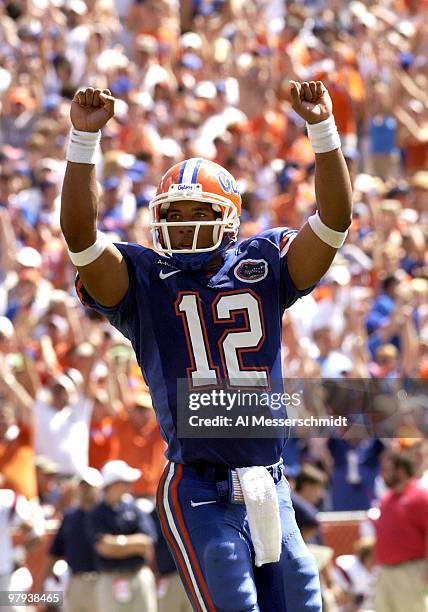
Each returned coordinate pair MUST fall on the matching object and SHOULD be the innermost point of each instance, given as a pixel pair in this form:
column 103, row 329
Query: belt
column 398, row 563
column 87, row 576
column 219, row 473
column 123, row 571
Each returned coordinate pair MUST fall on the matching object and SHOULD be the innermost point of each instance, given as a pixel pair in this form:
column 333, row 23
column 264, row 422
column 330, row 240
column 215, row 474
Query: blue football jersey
column 201, row 326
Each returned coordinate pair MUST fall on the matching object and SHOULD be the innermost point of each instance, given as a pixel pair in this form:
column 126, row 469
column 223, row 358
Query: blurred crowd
column 210, row 78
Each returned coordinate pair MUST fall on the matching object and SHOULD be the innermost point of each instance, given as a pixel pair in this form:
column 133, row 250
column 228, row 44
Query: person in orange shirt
column 140, row 443
column 295, row 145
column 344, row 112
column 103, row 439
column 412, row 138
column 17, row 470
column 157, row 18
column 416, row 156
column 289, row 45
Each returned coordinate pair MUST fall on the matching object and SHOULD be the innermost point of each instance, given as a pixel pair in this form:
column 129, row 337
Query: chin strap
column 191, row 261
column 198, row 261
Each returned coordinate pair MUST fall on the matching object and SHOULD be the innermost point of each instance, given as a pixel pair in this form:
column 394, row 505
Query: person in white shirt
column 61, row 425
column 59, row 414
column 356, row 575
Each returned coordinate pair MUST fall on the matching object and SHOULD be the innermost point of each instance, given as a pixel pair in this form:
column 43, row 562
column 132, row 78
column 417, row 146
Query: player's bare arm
column 106, row 278
column 309, row 257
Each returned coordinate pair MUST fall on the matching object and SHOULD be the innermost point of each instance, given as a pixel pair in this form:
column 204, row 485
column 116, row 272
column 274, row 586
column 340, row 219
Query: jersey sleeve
column 122, row 315
column 281, row 238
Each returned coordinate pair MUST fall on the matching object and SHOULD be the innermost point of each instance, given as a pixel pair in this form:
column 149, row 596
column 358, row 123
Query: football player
column 200, row 307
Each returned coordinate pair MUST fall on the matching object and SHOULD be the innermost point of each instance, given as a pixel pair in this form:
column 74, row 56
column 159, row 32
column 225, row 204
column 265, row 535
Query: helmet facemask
column 225, row 226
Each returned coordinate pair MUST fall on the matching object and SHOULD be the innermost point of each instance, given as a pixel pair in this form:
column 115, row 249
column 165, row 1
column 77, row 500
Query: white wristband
column 83, row 146
column 323, row 136
column 83, row 258
column 331, row 237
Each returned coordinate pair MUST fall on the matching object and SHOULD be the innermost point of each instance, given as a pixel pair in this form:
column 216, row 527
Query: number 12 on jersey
column 232, row 343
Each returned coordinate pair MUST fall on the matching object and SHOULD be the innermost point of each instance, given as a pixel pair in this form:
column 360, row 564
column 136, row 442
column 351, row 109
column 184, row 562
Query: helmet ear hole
column 163, row 210
column 217, row 211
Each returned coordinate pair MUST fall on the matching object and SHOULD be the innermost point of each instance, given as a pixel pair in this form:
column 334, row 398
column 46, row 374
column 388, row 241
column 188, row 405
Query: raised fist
column 91, row 109
column 311, row 101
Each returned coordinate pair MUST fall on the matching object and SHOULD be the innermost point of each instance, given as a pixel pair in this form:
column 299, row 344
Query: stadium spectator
column 17, row 122
column 103, row 441
column 417, row 448
column 401, row 538
column 382, row 128
column 15, row 514
column 7, row 257
column 16, row 453
column 123, row 537
column 170, row 590
column 47, row 482
column 59, row 415
column 381, row 326
column 72, row 544
column 355, row 467
column 140, row 443
column 356, row 576
column 307, row 496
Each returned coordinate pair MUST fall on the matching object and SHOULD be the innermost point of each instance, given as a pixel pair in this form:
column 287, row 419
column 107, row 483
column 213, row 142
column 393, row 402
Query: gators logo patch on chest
column 251, row 270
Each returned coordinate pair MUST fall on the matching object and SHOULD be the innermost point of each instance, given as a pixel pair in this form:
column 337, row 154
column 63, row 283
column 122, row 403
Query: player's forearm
column 333, row 190
column 79, row 205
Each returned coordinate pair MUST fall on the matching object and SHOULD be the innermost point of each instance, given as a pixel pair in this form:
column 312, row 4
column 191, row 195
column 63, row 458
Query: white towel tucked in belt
column 261, row 501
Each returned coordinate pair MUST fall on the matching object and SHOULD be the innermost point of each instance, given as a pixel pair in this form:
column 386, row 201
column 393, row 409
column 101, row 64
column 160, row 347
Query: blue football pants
column 212, row 548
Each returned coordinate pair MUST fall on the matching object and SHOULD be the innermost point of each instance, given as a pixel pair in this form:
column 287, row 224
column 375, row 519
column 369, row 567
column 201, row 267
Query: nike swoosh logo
column 195, row 504
column 164, row 275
